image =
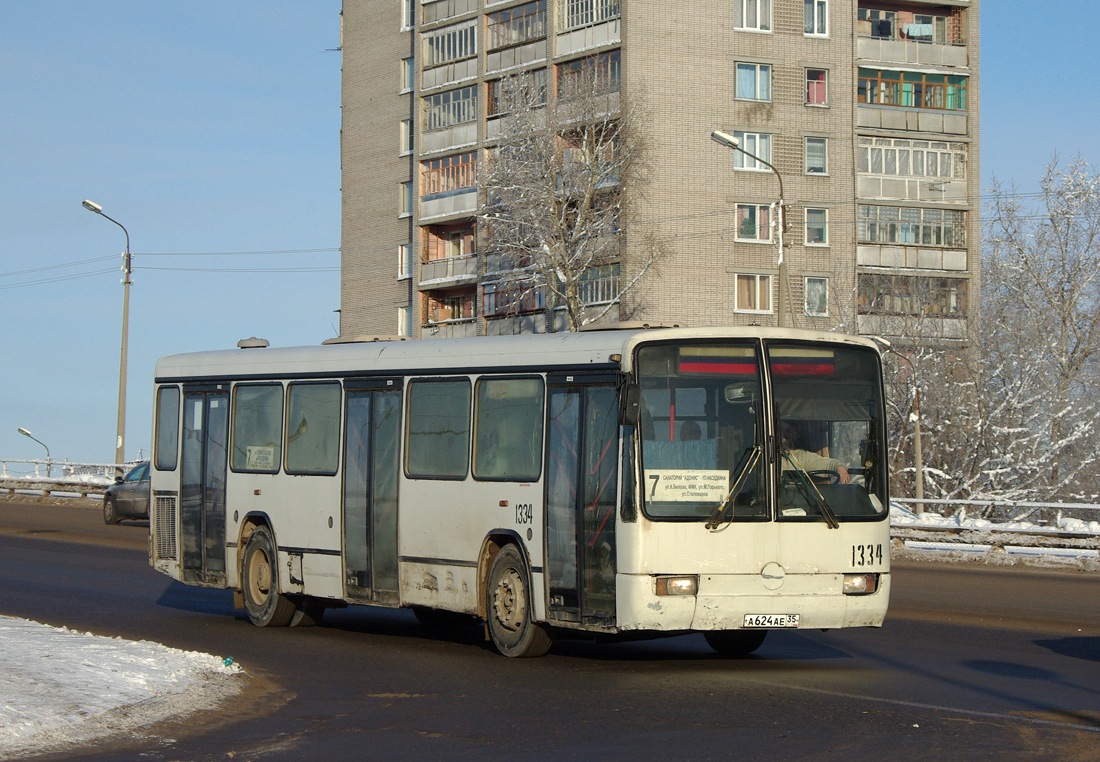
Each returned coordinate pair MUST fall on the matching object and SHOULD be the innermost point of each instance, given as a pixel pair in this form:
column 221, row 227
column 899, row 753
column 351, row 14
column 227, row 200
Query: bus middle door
column 202, row 483
column 372, row 447
column 581, row 484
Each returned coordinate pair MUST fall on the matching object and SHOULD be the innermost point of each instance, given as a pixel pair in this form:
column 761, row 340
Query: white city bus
column 728, row 481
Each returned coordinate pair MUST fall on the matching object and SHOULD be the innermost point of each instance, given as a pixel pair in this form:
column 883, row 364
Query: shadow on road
column 1077, row 648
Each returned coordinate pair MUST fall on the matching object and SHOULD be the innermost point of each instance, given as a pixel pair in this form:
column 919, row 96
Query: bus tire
column 508, row 608
column 110, row 515
column 265, row 605
column 735, row 642
column 307, row 612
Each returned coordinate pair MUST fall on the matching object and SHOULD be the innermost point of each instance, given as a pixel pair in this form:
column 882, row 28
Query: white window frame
column 806, row 296
column 405, row 199
column 806, row 82
column 824, row 228
column 404, row 321
column 758, row 78
column 820, row 11
column 404, row 260
column 756, row 140
column 759, row 290
column 408, row 74
column 405, row 138
column 408, row 14
column 757, row 209
column 762, row 8
column 806, row 155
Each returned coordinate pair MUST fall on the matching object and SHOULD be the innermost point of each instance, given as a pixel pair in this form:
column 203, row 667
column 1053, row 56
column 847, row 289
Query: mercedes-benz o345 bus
column 728, row 481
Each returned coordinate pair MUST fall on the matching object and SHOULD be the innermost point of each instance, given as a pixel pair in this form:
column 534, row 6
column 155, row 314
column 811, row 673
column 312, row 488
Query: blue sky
column 213, row 127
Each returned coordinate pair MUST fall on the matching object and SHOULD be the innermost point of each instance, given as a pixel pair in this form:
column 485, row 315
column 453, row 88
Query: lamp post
column 26, row 433
column 918, row 459
column 120, row 441
column 730, row 141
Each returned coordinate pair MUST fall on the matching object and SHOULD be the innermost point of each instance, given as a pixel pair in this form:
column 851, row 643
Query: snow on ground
column 61, row 688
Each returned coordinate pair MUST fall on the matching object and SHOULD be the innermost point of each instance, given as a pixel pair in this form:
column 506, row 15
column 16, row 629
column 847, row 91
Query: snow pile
column 59, row 687
column 903, row 517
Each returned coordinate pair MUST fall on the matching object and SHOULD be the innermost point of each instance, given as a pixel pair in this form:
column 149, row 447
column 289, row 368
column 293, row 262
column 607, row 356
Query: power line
column 55, row 267
column 244, row 269
column 231, row 253
column 58, row 279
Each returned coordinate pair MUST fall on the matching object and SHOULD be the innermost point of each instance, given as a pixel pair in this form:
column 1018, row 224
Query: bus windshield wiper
column 745, row 467
column 812, row 495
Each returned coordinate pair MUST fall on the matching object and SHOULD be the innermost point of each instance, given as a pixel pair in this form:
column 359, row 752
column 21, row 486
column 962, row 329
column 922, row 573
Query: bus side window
column 168, row 424
column 257, row 427
column 439, row 429
column 313, row 429
column 508, row 431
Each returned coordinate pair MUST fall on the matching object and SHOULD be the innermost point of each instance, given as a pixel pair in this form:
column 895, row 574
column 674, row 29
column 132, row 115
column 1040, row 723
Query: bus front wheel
column 735, row 642
column 266, row 607
column 508, row 608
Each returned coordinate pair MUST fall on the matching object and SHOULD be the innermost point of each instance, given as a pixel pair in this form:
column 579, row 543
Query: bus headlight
column 860, row 584
column 677, row 585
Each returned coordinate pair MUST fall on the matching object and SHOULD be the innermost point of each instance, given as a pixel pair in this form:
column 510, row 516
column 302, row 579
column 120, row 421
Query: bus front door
column 371, row 462
column 202, row 485
column 581, row 481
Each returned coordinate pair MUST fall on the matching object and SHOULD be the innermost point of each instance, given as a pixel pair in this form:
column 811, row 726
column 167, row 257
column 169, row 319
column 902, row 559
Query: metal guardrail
column 49, row 476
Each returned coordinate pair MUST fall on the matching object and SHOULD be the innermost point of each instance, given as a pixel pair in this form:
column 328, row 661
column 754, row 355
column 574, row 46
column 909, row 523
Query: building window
column 406, row 199
column 449, row 241
column 450, row 174
column 817, row 297
column 759, row 145
column 753, row 223
column 407, row 74
column 910, row 296
column 407, row 14
column 599, row 285
column 405, row 139
column 592, row 74
column 404, row 321
column 528, row 87
column 451, row 43
column 817, row 227
column 909, row 225
column 754, row 15
column 449, row 308
column 912, row 158
column 440, row 10
column 912, row 89
column 754, row 82
column 753, row 293
column 817, row 156
column 512, row 297
column 404, row 260
column 579, row 13
column 817, row 18
column 448, row 109
column 517, row 25
column 817, row 88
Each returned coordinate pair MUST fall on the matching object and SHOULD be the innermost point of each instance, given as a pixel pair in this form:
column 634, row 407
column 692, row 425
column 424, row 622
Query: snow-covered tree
column 560, row 183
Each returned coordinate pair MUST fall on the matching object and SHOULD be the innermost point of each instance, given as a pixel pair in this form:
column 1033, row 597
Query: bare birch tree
column 560, row 185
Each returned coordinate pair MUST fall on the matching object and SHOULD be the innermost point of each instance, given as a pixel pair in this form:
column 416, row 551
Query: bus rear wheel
column 735, row 642
column 266, row 607
column 508, row 608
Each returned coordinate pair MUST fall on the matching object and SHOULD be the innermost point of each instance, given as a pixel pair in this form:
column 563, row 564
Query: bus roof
column 528, row 352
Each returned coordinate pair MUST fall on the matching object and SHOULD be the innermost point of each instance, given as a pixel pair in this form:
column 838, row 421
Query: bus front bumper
column 723, row 601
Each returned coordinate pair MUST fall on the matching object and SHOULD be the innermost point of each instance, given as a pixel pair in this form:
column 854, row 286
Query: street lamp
column 26, row 433
column 120, row 440
column 914, row 418
column 729, row 141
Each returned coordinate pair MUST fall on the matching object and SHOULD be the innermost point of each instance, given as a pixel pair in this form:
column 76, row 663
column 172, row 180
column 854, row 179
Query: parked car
column 128, row 497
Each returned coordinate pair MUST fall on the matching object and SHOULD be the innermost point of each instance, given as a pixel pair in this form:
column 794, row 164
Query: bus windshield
column 703, row 432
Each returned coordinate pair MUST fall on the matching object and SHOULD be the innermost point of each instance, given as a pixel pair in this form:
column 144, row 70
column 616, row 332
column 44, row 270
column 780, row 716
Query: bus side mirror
column 630, row 405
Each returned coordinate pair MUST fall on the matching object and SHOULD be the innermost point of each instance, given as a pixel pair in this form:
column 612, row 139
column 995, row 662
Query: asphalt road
column 973, row 663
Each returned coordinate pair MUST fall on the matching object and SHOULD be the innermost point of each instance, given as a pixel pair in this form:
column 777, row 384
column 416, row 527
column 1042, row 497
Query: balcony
column 911, row 51
column 465, row 328
column 920, row 35
column 584, row 24
column 448, row 272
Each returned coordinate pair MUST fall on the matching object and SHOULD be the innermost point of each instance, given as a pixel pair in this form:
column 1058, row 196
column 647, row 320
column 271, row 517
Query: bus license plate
column 772, row 621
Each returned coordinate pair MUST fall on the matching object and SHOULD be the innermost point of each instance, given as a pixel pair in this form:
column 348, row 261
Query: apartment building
column 866, row 109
